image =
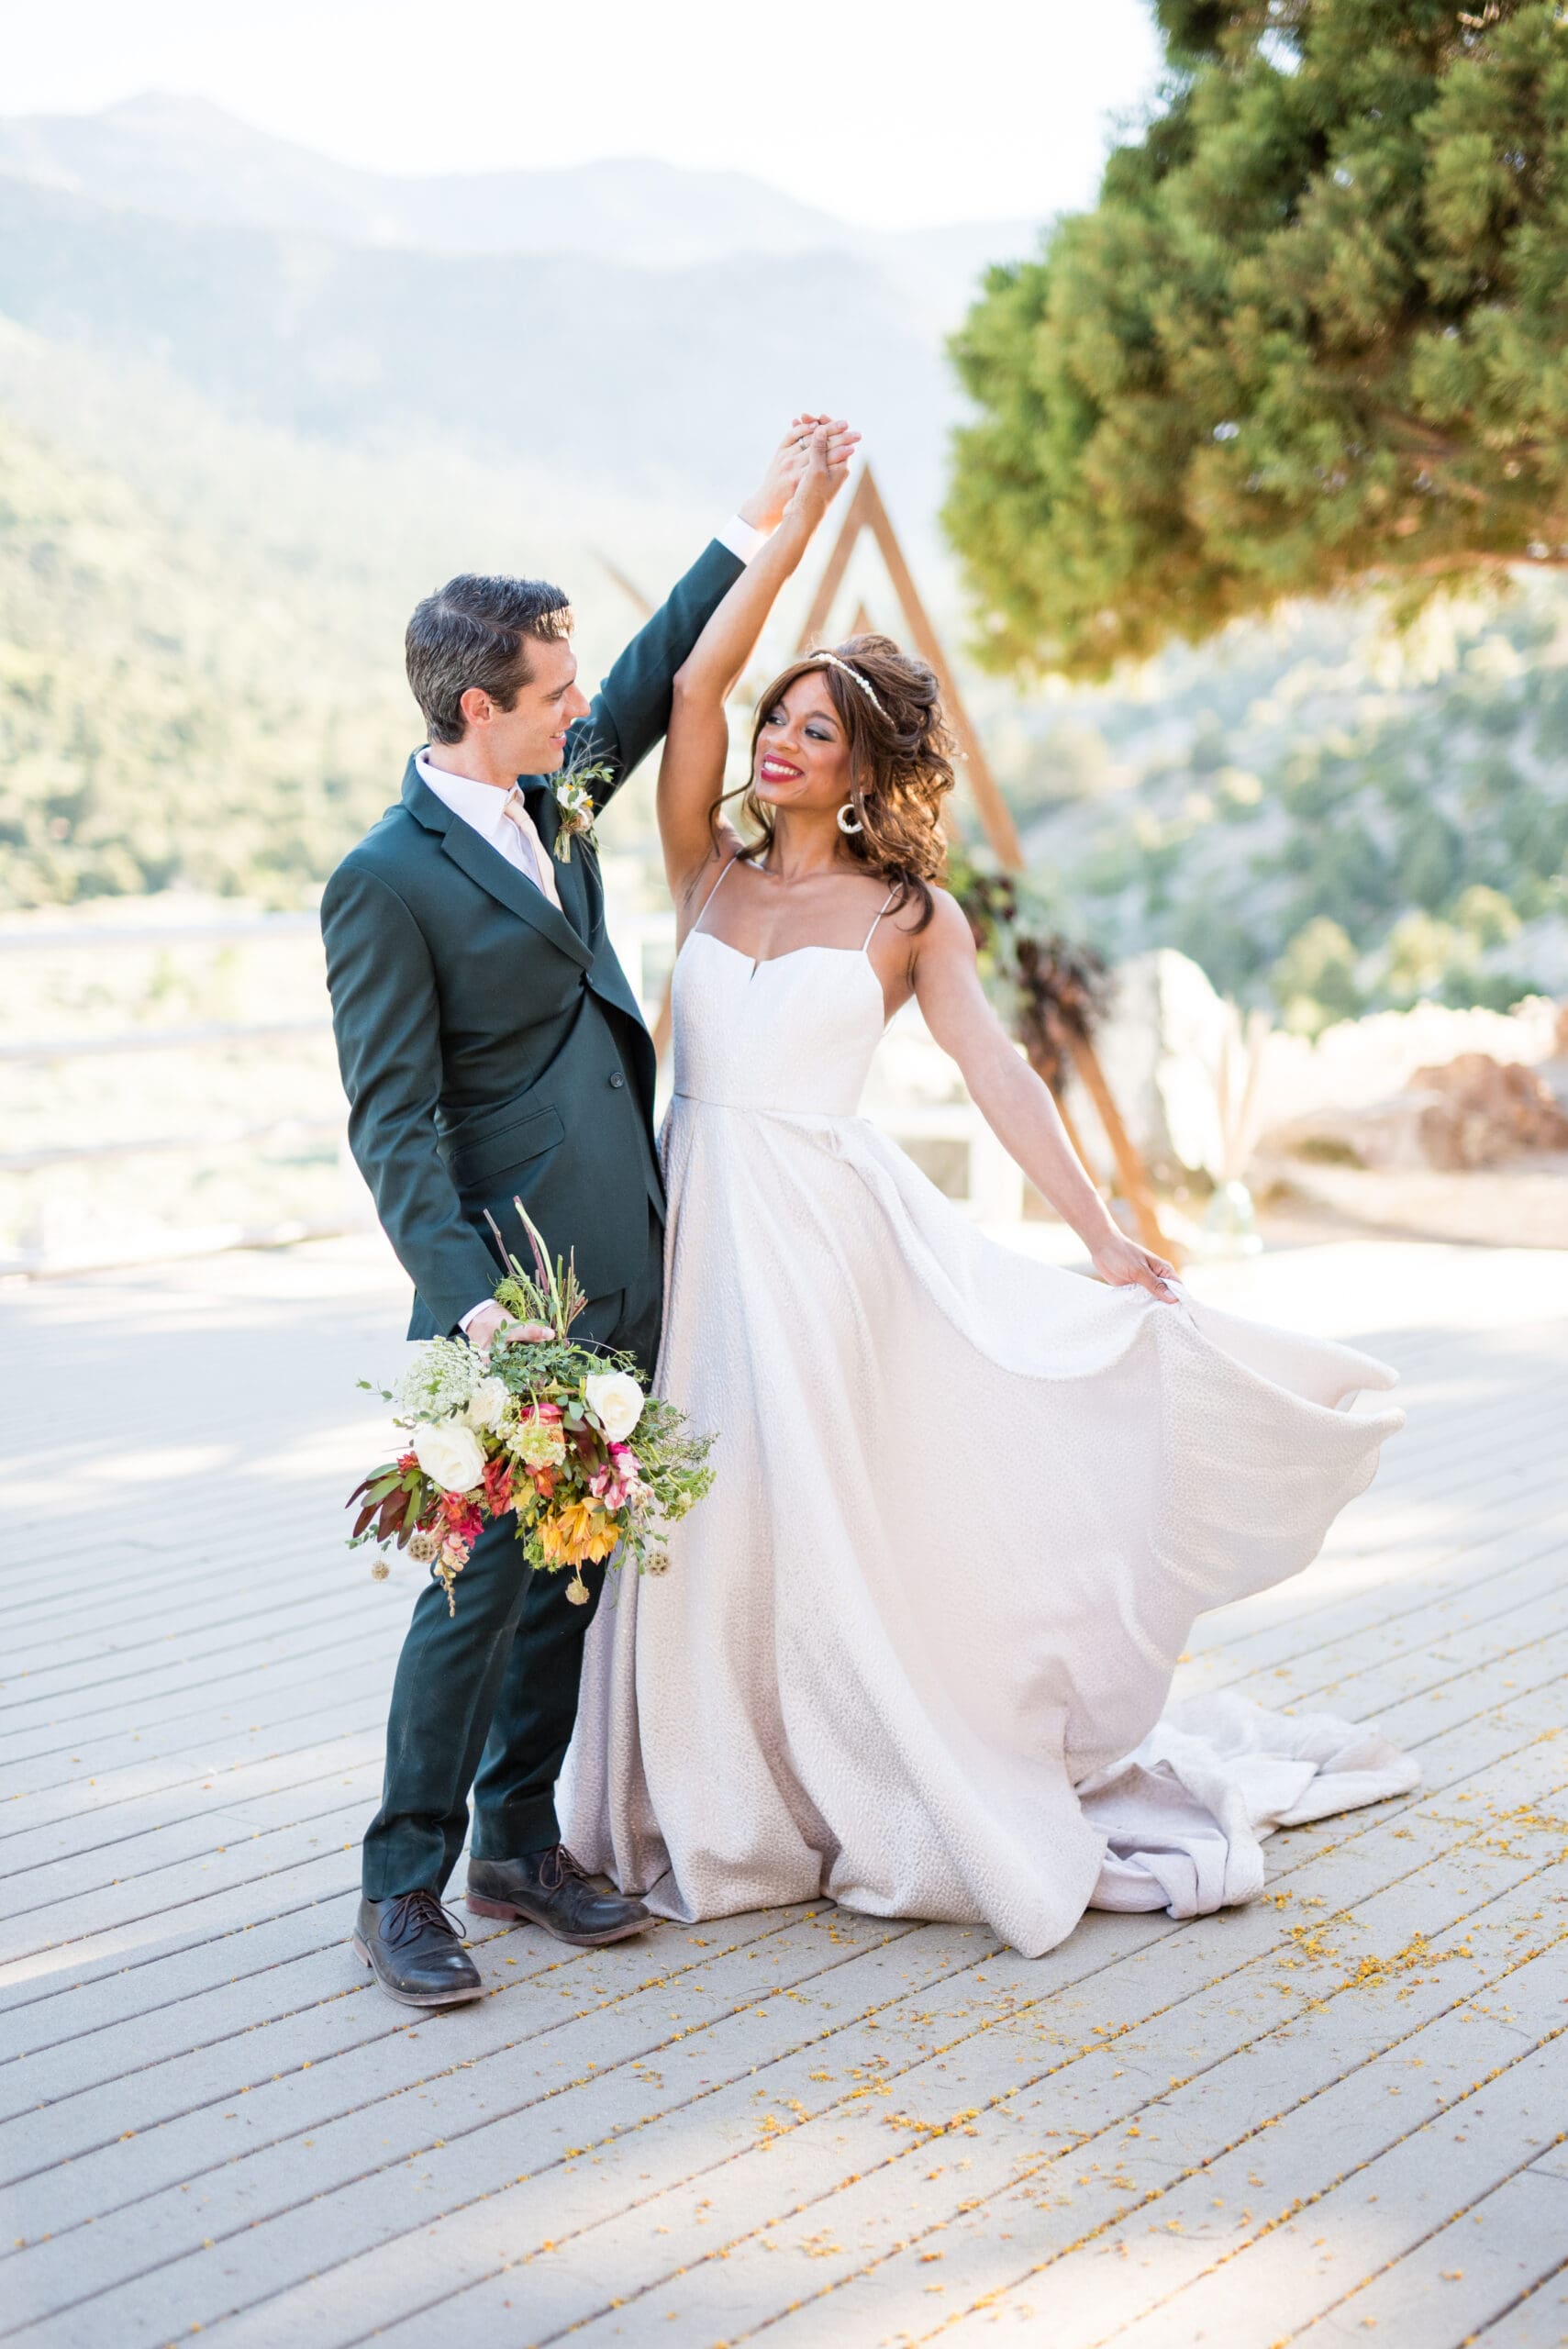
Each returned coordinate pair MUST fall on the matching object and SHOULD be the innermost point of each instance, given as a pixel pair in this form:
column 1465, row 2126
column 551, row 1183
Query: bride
column 913, row 1650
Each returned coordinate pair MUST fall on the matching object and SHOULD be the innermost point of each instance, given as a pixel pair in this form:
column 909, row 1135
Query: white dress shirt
column 741, row 538
column 482, row 808
column 481, row 805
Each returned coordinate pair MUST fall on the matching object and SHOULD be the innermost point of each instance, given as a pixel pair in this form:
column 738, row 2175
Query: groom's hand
column 492, row 1321
column 764, row 511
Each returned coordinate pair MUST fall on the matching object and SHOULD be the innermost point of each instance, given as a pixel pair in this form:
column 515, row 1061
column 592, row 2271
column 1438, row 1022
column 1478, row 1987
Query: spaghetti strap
column 713, row 893
column 880, row 911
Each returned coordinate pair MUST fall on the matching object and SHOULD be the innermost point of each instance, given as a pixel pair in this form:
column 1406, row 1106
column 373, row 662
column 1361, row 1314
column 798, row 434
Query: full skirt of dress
column 914, row 1651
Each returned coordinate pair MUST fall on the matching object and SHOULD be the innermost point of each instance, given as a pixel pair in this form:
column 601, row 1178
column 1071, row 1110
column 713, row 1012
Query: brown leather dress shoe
column 416, row 1952
column 548, row 1888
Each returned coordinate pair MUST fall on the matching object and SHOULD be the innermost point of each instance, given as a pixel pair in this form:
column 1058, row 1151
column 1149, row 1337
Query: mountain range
column 253, row 403
column 183, row 159
column 639, row 327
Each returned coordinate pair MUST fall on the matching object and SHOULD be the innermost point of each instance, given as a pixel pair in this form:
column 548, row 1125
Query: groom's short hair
column 473, row 631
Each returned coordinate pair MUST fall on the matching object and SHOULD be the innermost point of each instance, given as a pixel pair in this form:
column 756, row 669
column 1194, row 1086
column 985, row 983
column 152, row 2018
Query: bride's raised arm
column 815, row 457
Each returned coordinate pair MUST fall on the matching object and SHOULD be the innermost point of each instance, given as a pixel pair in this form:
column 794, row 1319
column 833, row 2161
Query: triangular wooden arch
column 866, row 511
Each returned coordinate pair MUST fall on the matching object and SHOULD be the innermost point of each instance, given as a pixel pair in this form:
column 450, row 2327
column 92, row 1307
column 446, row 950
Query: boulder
column 1471, row 1111
column 1489, row 1111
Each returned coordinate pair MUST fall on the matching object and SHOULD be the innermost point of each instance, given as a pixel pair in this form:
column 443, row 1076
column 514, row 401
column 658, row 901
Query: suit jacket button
column 617, row 1080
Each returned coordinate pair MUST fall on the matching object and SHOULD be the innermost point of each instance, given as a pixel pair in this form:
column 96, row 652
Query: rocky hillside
column 1326, row 816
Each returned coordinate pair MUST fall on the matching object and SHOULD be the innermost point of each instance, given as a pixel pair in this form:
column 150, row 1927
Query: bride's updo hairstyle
column 901, row 756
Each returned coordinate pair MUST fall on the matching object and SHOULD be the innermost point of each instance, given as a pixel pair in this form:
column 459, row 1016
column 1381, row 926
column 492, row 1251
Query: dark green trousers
column 486, row 1698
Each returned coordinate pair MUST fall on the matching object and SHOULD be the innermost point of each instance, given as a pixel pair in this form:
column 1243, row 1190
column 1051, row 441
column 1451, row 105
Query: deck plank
column 1465, row 2274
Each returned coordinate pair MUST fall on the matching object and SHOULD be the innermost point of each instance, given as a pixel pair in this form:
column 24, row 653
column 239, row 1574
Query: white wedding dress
column 913, row 1650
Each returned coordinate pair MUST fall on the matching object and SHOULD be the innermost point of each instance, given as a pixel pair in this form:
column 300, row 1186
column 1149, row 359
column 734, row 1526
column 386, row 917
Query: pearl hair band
column 855, row 678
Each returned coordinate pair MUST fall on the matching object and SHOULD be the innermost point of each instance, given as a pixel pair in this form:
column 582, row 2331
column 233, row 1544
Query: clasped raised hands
column 807, row 467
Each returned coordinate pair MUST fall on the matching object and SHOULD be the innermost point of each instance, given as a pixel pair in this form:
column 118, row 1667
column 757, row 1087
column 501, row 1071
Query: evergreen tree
column 1312, row 334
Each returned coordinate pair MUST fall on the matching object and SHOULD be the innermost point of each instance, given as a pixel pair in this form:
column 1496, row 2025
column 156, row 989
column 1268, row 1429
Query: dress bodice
column 795, row 1033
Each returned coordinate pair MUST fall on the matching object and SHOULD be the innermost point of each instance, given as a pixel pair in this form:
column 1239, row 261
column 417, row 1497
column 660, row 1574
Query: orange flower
column 576, row 1532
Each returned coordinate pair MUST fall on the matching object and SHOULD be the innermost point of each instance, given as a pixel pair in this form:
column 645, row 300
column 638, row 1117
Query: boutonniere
column 575, row 798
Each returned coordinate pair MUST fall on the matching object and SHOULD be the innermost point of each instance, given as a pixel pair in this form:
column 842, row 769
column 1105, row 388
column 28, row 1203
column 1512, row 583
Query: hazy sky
column 894, row 112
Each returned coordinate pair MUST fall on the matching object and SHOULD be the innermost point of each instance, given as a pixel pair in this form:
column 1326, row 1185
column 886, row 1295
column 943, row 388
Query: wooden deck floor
column 1336, row 2116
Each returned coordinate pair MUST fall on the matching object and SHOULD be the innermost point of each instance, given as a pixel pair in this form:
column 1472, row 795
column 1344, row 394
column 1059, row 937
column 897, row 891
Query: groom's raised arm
column 630, row 712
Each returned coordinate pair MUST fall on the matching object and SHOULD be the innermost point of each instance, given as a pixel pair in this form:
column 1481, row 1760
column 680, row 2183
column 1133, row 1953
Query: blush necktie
column 515, row 812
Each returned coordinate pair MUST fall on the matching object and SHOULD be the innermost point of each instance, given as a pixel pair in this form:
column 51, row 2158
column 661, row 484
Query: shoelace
column 417, row 1912
column 565, row 1865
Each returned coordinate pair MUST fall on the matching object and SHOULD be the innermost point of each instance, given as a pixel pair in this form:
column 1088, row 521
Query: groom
column 491, row 1048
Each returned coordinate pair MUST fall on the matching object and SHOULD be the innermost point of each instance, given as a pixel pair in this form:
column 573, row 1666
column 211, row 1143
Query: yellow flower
column 576, row 1532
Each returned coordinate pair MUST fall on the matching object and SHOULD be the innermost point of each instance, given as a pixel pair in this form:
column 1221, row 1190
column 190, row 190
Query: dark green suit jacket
column 491, row 1047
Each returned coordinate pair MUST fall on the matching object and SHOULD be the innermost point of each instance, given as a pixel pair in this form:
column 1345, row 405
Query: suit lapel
column 581, row 884
column 489, row 868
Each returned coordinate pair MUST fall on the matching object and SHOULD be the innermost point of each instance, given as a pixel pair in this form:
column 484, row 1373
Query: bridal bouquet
column 542, row 1427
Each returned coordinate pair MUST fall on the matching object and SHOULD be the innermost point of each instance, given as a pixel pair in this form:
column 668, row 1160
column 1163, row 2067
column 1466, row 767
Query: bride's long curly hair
column 901, row 767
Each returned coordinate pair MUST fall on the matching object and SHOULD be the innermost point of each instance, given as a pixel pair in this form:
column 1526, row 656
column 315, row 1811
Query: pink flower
column 608, row 1488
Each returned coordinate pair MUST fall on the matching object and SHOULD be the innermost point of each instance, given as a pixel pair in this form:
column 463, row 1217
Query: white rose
column 449, row 1453
column 616, row 1400
column 486, row 1405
